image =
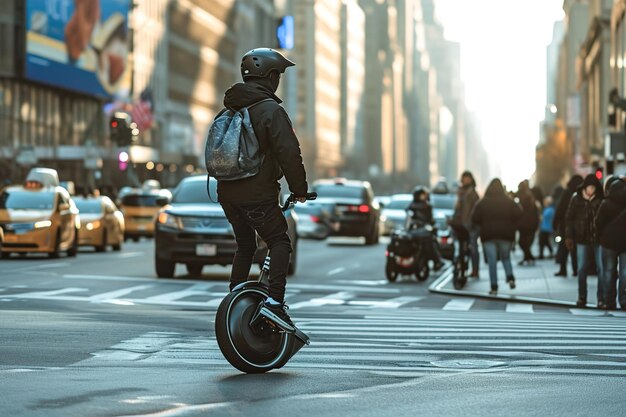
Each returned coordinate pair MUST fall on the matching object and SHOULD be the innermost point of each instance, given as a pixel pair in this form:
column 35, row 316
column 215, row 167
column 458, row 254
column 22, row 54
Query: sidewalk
column 534, row 284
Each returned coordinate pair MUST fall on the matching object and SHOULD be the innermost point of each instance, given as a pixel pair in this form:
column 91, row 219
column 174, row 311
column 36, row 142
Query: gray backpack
column 232, row 151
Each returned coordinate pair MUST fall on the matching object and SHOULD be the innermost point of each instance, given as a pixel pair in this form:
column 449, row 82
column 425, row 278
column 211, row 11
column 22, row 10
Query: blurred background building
column 376, row 93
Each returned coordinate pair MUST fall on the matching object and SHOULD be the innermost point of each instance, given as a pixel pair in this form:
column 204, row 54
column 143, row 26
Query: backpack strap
column 259, row 102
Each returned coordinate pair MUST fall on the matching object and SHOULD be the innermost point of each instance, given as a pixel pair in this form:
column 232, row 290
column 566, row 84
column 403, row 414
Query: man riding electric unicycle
column 250, row 146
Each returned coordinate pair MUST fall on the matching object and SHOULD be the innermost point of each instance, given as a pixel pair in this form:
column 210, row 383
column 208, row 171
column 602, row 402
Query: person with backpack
column 251, row 146
column 581, row 235
column 496, row 215
column 611, row 226
column 461, row 222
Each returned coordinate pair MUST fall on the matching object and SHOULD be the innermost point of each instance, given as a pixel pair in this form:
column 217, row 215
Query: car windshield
column 398, row 204
column 193, row 192
column 339, row 191
column 443, row 201
column 26, row 200
column 140, row 200
column 88, row 206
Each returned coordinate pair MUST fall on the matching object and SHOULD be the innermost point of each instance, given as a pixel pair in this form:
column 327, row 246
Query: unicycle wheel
column 250, row 349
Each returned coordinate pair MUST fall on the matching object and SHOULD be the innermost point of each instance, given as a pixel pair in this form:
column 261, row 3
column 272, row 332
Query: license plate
column 206, row 249
column 10, row 238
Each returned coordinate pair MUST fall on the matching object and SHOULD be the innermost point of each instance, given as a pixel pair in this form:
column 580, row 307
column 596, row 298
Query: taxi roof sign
column 47, row 177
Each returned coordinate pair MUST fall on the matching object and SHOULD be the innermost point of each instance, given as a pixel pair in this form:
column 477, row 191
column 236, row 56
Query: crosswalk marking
column 419, row 344
column 459, row 304
column 338, row 298
column 197, row 289
column 519, row 308
column 585, row 312
column 111, row 295
column 391, row 303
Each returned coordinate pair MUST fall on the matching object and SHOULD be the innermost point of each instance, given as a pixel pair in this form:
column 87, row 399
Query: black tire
column 459, row 279
column 135, row 238
column 194, row 269
column 5, row 255
column 73, row 250
column 118, row 247
column 103, row 247
column 390, row 270
column 164, row 268
column 57, row 247
column 423, row 272
column 248, row 351
column 372, row 237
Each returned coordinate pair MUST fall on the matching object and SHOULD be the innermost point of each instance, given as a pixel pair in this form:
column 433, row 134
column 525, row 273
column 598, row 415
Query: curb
column 438, row 285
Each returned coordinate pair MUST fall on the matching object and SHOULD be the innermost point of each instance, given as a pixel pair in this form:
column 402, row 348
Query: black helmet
column 418, row 191
column 261, row 62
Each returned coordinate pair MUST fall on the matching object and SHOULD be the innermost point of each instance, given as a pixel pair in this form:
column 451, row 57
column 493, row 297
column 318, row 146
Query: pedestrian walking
column 546, row 230
column 558, row 223
column 467, row 197
column 496, row 215
column 581, row 235
column 529, row 222
column 611, row 227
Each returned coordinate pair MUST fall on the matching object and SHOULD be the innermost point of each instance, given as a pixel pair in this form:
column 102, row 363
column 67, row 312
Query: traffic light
column 122, row 131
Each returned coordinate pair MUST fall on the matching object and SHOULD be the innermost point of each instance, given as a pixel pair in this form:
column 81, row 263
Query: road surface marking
column 372, row 290
column 336, row 271
column 459, row 304
column 197, row 289
column 131, row 254
column 338, row 298
column 585, row 312
column 391, row 303
column 112, row 295
column 519, row 308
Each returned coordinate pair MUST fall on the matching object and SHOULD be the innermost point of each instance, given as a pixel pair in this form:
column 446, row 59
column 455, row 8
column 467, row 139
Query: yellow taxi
column 38, row 217
column 140, row 208
column 102, row 223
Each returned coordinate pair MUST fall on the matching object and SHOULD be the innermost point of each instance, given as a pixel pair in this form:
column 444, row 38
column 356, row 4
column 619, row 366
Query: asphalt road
column 99, row 335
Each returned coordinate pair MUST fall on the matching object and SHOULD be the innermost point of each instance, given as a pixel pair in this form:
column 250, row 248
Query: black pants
column 526, row 237
column 544, row 242
column 269, row 222
column 561, row 257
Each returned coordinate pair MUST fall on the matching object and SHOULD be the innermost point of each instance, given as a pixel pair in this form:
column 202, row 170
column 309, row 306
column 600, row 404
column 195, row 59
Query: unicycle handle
column 292, row 200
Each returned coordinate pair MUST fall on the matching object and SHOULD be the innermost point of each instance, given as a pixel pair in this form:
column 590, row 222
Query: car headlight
column 169, row 220
column 42, row 224
column 93, row 225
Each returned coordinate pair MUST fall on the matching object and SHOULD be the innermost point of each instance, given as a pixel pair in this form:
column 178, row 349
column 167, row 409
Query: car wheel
column 103, row 247
column 5, row 255
column 136, row 239
column 293, row 260
column 194, row 269
column 73, row 250
column 57, row 247
column 164, row 268
column 372, row 237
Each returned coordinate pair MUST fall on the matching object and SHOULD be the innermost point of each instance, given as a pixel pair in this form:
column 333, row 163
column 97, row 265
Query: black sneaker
column 581, row 303
column 511, row 282
column 277, row 314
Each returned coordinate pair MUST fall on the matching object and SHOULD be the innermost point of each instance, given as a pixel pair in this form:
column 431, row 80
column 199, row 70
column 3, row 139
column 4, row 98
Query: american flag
column 142, row 111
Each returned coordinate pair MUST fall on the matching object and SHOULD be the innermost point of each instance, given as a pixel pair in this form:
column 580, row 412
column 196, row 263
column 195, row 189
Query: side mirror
column 162, row 201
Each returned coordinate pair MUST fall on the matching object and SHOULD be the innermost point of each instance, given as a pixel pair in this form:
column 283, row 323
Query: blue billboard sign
column 80, row 45
column 285, row 32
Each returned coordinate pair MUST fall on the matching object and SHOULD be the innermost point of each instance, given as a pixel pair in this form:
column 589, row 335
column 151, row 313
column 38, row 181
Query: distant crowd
column 587, row 220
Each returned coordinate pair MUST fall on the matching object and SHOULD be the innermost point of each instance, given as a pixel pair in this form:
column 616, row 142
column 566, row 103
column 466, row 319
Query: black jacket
column 497, row 215
column 530, row 216
column 611, row 218
column 580, row 219
column 278, row 142
column 421, row 213
column 561, row 208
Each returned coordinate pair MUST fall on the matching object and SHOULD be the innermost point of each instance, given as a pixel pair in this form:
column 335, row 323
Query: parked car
column 359, row 213
column 316, row 220
column 443, row 210
column 193, row 230
column 140, row 209
column 393, row 215
column 39, row 216
column 102, row 223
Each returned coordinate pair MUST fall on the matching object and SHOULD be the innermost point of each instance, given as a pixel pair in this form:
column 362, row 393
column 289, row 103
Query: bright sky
column 503, row 64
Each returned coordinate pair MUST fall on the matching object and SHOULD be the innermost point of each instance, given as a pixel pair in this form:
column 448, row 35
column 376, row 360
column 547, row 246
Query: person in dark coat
column 529, row 222
column 581, row 235
column 611, row 227
column 420, row 214
column 559, row 227
column 467, row 197
column 497, row 216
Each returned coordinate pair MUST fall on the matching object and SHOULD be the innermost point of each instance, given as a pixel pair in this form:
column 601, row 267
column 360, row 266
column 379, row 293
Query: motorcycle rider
column 251, row 204
column 420, row 214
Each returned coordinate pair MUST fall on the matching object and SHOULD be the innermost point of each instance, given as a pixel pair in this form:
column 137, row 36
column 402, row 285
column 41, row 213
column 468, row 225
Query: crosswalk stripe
column 519, row 308
column 391, row 303
column 459, row 304
column 337, row 298
column 584, row 312
column 197, row 289
column 118, row 293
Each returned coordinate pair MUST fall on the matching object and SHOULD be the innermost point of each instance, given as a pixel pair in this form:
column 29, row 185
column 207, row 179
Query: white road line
column 391, row 303
column 585, row 312
column 459, row 304
column 373, row 283
column 519, row 308
column 197, row 289
column 338, row 298
column 110, row 278
column 336, row 271
column 345, row 288
column 112, row 295
column 131, row 254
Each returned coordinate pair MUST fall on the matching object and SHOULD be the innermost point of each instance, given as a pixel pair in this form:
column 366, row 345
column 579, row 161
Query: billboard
column 80, row 45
